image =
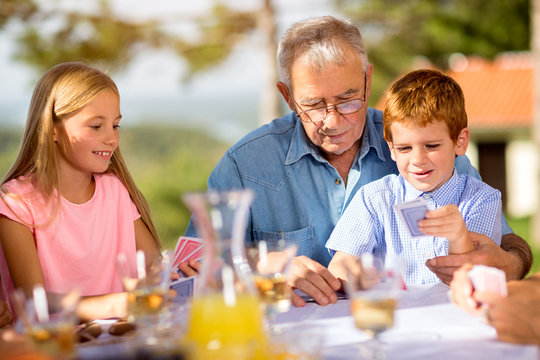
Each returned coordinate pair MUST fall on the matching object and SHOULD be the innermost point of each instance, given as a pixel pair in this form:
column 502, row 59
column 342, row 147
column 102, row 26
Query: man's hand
column 487, row 253
column 314, row 279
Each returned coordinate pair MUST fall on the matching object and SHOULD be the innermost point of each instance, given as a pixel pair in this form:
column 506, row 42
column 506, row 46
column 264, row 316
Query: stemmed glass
column 270, row 263
column 373, row 287
column 147, row 290
column 49, row 319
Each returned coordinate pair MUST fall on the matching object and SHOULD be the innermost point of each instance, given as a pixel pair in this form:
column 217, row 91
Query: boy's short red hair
column 423, row 96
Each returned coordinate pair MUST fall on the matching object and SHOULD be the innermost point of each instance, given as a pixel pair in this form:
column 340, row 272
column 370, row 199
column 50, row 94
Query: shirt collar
column 301, row 145
column 371, row 137
column 444, row 195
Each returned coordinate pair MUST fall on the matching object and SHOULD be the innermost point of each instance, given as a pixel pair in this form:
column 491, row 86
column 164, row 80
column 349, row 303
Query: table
column 427, row 325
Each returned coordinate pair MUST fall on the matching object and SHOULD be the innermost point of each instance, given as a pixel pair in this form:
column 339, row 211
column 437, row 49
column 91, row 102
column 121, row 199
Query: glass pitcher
column 225, row 318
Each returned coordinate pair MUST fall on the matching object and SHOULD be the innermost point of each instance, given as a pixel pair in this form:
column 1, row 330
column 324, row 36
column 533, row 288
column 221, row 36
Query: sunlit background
column 195, row 76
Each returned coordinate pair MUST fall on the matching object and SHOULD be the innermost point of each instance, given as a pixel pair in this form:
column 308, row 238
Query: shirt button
column 338, row 181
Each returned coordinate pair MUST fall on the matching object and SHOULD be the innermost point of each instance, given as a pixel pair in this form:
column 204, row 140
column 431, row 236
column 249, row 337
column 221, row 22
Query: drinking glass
column 147, row 288
column 270, row 263
column 373, row 288
column 49, row 320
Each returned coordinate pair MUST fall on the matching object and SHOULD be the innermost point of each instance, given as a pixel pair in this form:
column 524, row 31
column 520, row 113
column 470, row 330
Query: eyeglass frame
column 329, row 108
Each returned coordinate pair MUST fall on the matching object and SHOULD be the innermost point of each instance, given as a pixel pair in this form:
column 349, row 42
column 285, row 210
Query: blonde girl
column 68, row 204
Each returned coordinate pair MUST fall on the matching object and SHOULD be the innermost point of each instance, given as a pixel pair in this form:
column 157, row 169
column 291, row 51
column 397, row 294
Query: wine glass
column 147, row 288
column 49, row 319
column 270, row 263
column 373, row 287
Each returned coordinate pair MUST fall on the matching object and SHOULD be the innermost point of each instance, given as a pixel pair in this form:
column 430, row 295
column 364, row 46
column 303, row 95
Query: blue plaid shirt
column 370, row 224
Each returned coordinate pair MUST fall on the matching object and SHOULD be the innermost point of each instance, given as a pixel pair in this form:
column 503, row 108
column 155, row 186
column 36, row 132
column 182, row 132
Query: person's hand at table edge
column 462, row 290
column 514, row 322
column 313, row 279
column 512, row 257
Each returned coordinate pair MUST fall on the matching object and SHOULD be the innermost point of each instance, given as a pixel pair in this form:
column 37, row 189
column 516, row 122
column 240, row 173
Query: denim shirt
column 299, row 196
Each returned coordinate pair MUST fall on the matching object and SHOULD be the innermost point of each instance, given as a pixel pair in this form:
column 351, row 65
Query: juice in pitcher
column 220, row 330
column 226, row 320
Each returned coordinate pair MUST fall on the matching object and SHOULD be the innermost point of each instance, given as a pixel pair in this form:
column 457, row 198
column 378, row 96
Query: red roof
column 498, row 94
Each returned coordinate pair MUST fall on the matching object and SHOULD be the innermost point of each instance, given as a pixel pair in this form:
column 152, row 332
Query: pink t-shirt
column 79, row 247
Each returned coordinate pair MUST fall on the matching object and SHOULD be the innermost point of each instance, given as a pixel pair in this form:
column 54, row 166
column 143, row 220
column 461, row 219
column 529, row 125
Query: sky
column 223, row 100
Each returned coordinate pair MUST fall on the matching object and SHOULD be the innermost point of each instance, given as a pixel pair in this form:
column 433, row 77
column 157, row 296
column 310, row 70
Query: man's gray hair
column 324, row 39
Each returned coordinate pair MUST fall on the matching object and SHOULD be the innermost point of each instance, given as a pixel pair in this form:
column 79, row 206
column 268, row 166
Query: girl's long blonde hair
column 63, row 90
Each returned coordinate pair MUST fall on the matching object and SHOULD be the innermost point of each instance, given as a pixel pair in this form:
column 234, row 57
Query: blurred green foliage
column 164, row 161
column 404, row 34
column 104, row 37
column 522, row 227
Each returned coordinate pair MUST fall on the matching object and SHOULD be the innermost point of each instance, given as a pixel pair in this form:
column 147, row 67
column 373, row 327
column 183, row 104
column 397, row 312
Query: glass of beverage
column 147, row 287
column 373, row 287
column 49, row 320
column 270, row 263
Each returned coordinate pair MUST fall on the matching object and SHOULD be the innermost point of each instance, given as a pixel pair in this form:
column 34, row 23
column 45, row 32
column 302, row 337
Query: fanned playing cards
column 187, row 249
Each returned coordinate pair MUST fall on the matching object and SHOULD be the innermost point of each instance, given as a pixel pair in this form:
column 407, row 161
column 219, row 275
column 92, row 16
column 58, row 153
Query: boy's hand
column 342, row 265
column 448, row 222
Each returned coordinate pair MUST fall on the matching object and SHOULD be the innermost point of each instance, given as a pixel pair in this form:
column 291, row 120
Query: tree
column 398, row 32
column 106, row 38
column 434, row 29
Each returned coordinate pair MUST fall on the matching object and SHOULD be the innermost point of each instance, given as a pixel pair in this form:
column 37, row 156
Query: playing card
column 184, row 289
column 185, row 249
column 190, row 246
column 195, row 255
column 410, row 213
column 179, row 245
column 486, row 278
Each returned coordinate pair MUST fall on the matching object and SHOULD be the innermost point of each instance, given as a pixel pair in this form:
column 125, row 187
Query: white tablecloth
column 427, row 326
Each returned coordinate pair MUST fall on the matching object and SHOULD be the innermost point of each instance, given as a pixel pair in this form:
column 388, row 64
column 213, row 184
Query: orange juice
column 213, row 325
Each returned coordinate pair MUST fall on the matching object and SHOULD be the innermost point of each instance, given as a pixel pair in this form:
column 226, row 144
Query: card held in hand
column 487, row 278
column 187, row 248
column 410, row 213
column 184, row 289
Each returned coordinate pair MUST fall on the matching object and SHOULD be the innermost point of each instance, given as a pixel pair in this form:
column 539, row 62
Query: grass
column 522, row 227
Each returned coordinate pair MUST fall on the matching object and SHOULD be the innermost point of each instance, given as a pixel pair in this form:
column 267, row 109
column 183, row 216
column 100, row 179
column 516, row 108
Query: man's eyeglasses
column 317, row 115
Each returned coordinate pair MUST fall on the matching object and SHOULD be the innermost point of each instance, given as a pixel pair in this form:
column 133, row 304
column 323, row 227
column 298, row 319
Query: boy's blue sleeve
column 464, row 166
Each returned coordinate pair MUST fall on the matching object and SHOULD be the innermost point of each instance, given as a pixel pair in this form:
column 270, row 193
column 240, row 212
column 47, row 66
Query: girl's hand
column 190, row 268
column 6, row 317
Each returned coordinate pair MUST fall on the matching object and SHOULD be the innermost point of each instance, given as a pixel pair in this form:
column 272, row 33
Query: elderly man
column 305, row 167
